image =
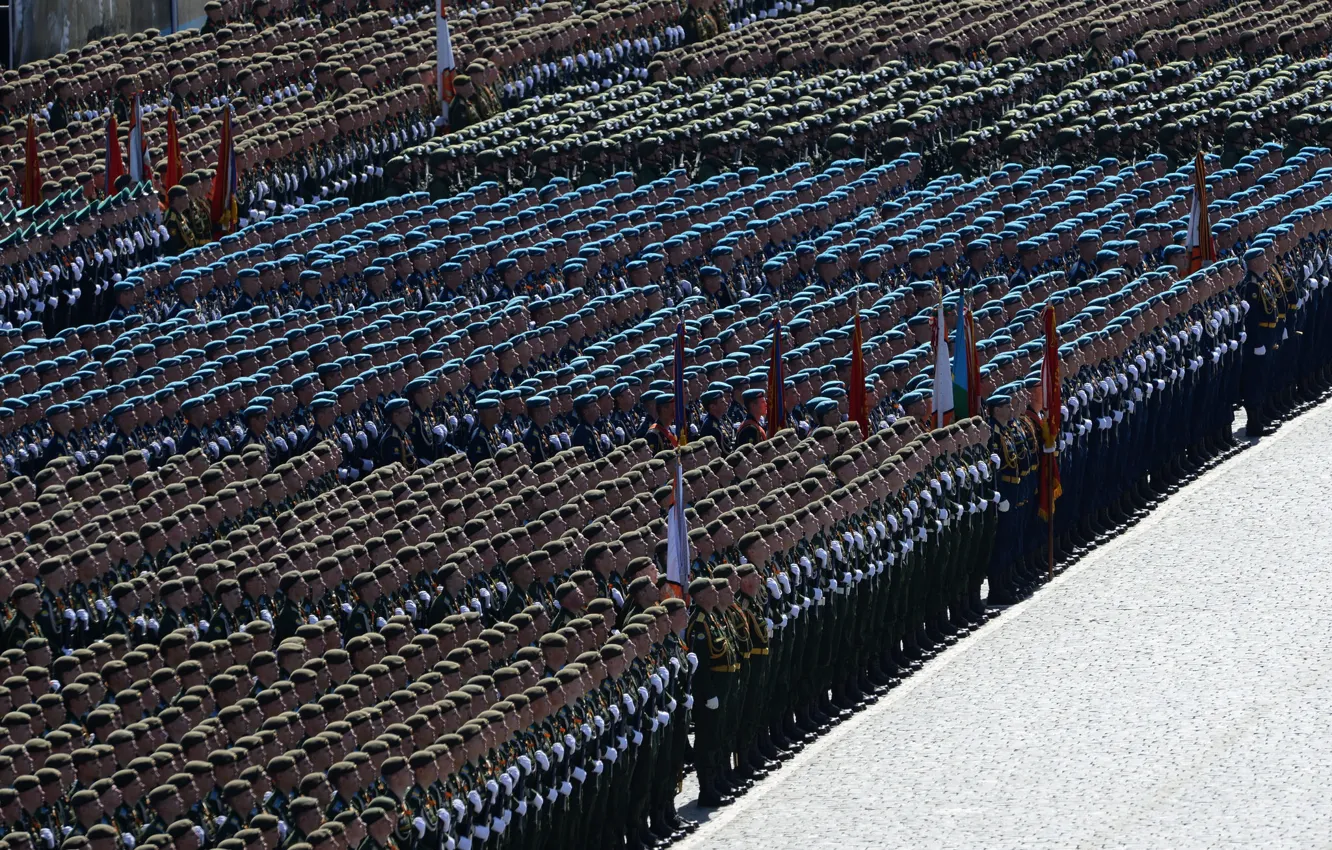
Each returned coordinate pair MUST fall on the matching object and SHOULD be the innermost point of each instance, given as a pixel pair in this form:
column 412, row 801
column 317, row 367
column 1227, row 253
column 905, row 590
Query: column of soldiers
column 898, row 534
column 935, row 512
column 64, row 258
column 1152, row 76
column 289, row 432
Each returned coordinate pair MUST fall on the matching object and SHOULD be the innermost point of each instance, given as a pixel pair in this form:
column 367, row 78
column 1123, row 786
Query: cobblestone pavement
column 1171, row 690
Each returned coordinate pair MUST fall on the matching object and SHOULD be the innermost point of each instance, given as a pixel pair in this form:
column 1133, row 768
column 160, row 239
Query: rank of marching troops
column 889, row 534
column 871, row 562
column 1188, row 349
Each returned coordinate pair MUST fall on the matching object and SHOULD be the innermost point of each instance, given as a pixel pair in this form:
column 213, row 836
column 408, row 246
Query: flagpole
column 32, row 179
column 1051, row 422
column 1049, row 525
column 940, row 334
column 677, row 533
column 857, row 401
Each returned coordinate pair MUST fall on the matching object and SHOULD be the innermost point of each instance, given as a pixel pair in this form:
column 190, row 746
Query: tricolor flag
column 444, row 68
column 856, row 398
column 1050, row 412
column 1202, row 251
column 173, row 167
column 677, row 535
column 943, row 373
column 32, row 169
column 776, row 383
column 115, row 163
column 681, row 429
column 222, row 204
column 966, row 368
column 139, row 168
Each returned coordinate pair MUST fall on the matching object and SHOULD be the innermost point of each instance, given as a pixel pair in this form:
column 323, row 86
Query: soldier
column 180, row 233
column 126, row 301
column 291, row 608
column 659, row 436
column 538, row 436
column 303, row 818
column 215, row 17
column 586, row 434
column 360, row 617
column 462, row 110
column 484, row 441
column 223, row 620
column 423, row 800
column 395, row 445
column 1099, row 57
column 23, row 625
column 195, row 435
column 379, row 828
column 1260, row 325
column 756, row 410
column 714, row 423
column 709, row 642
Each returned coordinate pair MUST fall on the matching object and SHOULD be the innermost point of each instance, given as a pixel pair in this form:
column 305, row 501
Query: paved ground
column 1169, row 691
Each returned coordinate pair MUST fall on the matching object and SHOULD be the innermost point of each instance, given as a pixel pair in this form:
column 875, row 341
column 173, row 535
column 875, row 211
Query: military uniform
column 180, row 233
column 718, row 662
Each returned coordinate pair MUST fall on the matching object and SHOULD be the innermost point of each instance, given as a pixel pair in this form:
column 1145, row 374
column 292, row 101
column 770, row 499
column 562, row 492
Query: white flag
column 677, row 534
column 444, row 68
column 943, row 373
column 138, row 154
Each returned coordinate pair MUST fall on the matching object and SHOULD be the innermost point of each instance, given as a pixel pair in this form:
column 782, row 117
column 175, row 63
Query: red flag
column 223, row 202
column 1202, row 250
column 115, row 162
column 32, row 169
column 776, row 383
column 173, row 168
column 1050, row 417
column 856, row 394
